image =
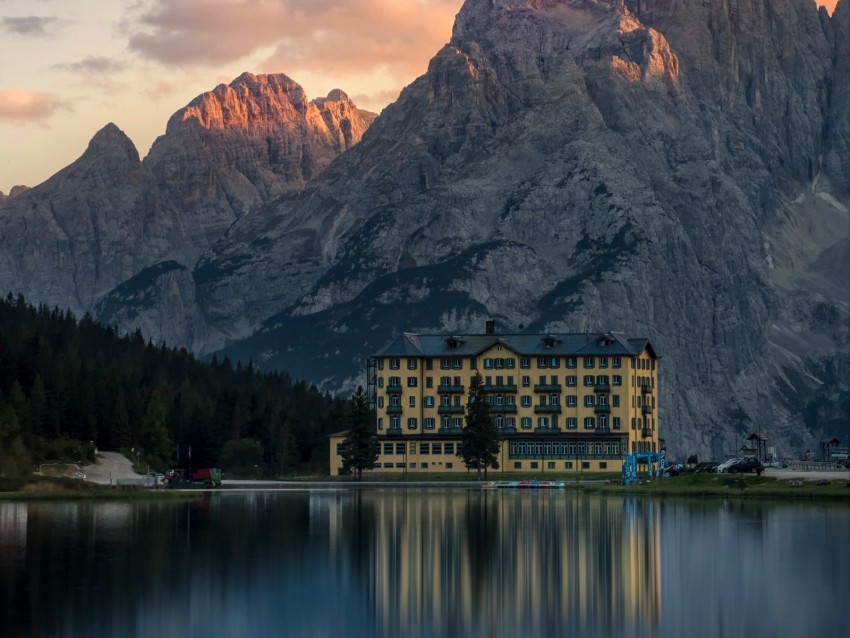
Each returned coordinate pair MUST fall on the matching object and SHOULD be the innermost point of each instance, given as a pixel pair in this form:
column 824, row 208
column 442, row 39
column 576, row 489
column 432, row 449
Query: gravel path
column 110, row 467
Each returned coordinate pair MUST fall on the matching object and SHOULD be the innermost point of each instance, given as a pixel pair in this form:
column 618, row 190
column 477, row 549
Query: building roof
column 584, row 344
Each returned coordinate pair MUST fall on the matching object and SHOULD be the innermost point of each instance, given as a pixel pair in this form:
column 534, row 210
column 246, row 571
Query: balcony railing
column 394, row 409
column 394, row 388
column 646, row 388
column 450, row 409
column 646, row 433
column 647, row 409
column 450, row 431
column 499, row 388
column 551, row 388
column 547, row 430
column 602, row 387
column 503, row 409
column 602, row 408
column 391, row 431
column 547, row 409
column 450, row 389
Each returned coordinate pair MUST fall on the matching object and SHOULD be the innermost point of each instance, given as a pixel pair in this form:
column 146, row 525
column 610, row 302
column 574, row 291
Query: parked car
column 724, row 467
column 706, row 466
column 746, row 465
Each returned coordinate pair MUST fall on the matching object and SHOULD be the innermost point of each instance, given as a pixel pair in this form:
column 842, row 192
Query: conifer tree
column 479, row 445
column 360, row 445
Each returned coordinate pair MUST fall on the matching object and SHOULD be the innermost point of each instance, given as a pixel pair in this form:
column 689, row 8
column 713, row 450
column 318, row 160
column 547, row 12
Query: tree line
column 68, row 385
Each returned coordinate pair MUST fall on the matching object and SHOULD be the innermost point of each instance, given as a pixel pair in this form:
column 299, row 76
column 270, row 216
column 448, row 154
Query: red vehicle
column 209, row 475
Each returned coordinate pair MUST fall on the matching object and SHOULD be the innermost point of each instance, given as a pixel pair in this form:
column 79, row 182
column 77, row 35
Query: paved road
column 806, row 475
column 110, row 467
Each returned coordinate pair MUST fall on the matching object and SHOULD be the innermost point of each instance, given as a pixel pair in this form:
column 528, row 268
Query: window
column 526, row 381
column 571, row 400
column 429, row 364
column 524, row 362
column 380, row 423
column 488, row 364
column 428, row 423
column 399, row 448
column 554, row 362
column 429, row 402
column 525, row 423
column 395, row 422
column 616, row 423
column 603, row 399
column 456, row 423
column 543, row 422
column 603, row 362
column 603, row 421
column 533, row 465
column 617, row 380
column 449, row 465
column 588, row 400
column 445, row 380
column 394, row 364
column 616, row 362
column 500, row 400
column 542, row 362
column 571, row 362
column 615, row 400
column 589, row 422
column 445, row 422
column 554, row 399
column 457, row 364
column 411, row 364
column 412, row 402
column 394, row 381
column 380, row 402
column 525, row 401
column 517, row 465
column 568, row 465
column 550, row 465
column 445, row 364
column 588, row 380
column 473, row 364
column 585, row 465
column 436, row 448
column 388, row 448
column 380, row 382
column 571, row 423
column 394, row 401
column 424, row 448
column 380, row 364
column 429, row 382
column 388, row 465
column 511, row 422
column 424, row 466
column 603, row 465
column 411, row 423
column 500, row 421
column 571, row 381
column 411, row 382
column 510, row 363
column 588, row 362
column 500, row 364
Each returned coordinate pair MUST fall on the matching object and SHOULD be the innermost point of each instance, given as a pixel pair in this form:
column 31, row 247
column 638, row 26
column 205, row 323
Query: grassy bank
column 67, row 489
column 735, row 485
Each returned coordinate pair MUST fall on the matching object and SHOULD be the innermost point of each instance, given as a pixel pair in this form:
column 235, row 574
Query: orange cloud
column 328, row 36
column 25, row 105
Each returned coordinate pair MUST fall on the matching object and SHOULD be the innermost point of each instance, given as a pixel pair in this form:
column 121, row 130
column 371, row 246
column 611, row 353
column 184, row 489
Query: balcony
column 450, row 409
column 549, row 388
column 506, row 430
column 602, row 387
column 394, row 409
column 450, row 389
column 647, row 409
column 602, row 409
column 646, row 388
column 603, row 429
column 547, row 409
column 503, row 409
column 499, row 388
column 547, row 431
column 450, row 431
column 394, row 389
column 646, row 433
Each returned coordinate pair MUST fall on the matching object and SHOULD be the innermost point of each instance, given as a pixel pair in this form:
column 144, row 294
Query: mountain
column 670, row 168
column 109, row 215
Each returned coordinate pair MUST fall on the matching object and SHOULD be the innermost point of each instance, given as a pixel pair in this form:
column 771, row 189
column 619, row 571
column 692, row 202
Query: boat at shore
column 529, row 484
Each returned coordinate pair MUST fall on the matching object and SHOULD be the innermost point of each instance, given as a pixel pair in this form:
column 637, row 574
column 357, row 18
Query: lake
column 431, row 562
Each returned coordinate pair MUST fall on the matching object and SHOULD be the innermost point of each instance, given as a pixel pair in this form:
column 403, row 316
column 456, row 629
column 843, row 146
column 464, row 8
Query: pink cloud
column 24, row 105
column 329, row 36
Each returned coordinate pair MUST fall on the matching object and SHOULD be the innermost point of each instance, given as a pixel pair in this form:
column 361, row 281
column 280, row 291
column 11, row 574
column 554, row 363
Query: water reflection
column 422, row 563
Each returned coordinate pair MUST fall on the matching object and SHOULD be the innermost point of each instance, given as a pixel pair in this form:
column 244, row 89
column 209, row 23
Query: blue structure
column 630, row 474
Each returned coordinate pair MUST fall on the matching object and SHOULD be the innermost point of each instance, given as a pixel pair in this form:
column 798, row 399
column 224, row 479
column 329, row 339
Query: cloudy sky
column 69, row 67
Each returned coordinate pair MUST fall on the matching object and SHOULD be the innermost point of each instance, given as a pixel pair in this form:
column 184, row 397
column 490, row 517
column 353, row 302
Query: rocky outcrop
column 670, row 168
column 103, row 219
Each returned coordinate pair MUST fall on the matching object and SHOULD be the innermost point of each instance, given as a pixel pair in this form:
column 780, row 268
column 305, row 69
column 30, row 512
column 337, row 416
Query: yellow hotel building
column 561, row 402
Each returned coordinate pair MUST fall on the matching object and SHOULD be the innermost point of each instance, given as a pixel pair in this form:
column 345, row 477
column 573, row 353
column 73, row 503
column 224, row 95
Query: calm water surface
column 451, row 562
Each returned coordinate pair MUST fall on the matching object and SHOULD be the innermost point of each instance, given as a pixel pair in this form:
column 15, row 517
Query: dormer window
column 550, row 342
column 454, row 342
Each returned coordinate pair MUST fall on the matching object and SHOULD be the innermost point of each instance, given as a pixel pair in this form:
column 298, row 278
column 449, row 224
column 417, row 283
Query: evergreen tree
column 360, row 445
column 156, row 442
column 479, row 445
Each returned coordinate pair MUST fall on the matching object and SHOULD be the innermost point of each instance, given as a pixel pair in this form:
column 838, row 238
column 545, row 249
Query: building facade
column 561, row 402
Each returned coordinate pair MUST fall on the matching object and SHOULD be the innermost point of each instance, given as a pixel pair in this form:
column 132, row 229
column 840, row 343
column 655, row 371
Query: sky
column 69, row 67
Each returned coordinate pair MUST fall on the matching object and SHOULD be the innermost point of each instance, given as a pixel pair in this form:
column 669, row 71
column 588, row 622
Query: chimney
column 491, row 327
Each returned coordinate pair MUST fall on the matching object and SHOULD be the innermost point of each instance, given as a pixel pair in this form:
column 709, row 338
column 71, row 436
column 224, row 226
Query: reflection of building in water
column 470, row 563
column 13, row 528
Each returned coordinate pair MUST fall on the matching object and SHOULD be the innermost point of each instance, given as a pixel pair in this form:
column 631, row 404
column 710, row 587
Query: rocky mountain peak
column 110, row 145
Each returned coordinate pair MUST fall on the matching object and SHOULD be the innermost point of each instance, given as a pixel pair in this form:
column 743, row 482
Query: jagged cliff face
column 673, row 168
column 108, row 216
